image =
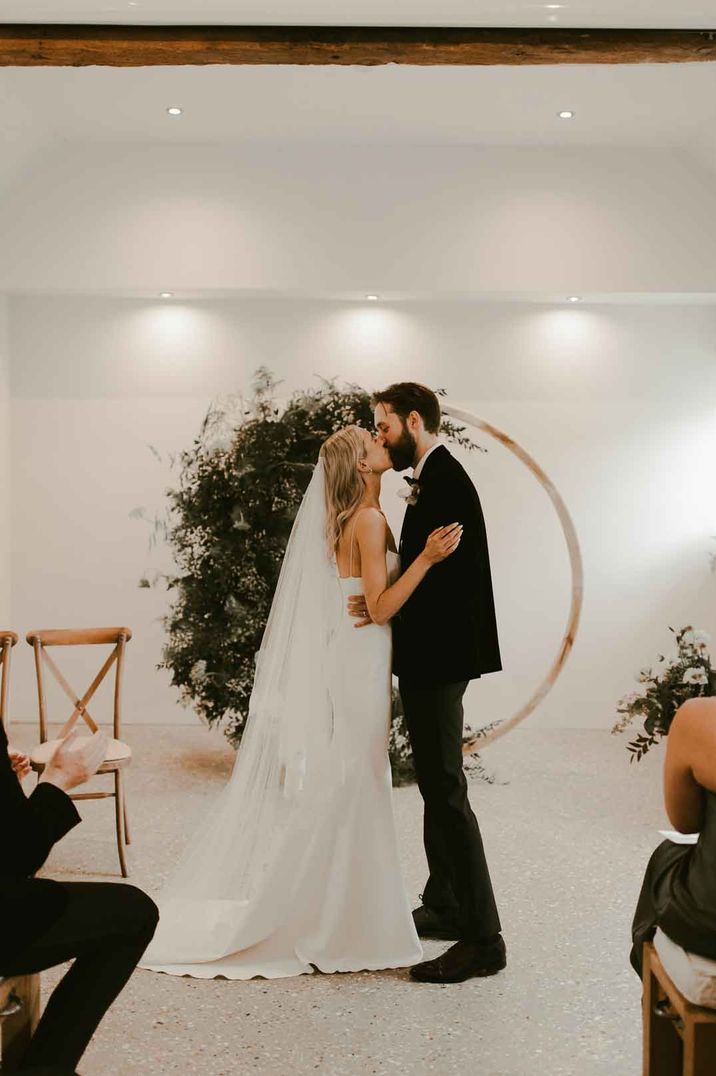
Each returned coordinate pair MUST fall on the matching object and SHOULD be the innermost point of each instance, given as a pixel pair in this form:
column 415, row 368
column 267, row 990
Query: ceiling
column 633, row 105
column 637, row 106
column 695, row 14
column 652, row 105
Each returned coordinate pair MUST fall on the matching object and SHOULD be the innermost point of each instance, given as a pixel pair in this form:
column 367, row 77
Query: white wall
column 322, row 219
column 618, row 404
column 5, row 468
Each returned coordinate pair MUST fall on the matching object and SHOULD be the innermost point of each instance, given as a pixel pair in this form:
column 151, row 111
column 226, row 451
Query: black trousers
column 459, row 886
column 104, row 930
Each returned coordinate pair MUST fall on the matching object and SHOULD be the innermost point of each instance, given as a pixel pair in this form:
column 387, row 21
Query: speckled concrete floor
column 567, row 834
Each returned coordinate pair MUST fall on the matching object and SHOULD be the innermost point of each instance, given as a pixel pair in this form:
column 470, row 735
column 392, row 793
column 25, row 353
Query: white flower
column 219, row 440
column 695, row 676
column 198, row 672
column 644, row 676
column 692, row 637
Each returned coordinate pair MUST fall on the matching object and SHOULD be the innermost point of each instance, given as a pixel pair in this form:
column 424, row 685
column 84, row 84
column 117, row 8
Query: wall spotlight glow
column 175, row 110
column 372, row 298
column 166, row 294
column 566, row 115
column 574, row 298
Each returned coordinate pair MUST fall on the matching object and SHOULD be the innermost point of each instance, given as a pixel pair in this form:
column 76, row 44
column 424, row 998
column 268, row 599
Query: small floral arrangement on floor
column 401, row 757
column 687, row 675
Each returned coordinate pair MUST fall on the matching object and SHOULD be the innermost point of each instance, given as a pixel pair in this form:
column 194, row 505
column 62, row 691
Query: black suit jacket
column 446, row 631
column 29, row 826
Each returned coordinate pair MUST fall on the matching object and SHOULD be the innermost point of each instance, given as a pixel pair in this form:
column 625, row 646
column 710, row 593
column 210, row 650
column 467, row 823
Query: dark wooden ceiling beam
column 67, row 45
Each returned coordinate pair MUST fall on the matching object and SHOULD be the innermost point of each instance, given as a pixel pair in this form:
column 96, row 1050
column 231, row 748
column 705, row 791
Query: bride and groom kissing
column 296, row 868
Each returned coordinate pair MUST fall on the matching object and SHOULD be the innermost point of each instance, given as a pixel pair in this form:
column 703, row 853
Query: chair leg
column 699, row 1046
column 119, row 820
column 17, row 1030
column 127, row 838
column 662, row 1046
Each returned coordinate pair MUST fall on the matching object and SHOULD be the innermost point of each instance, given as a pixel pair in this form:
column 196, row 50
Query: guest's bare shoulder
column 696, row 716
column 694, row 738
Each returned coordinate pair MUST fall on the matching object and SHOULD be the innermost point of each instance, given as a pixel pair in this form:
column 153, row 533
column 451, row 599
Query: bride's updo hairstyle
column 341, row 453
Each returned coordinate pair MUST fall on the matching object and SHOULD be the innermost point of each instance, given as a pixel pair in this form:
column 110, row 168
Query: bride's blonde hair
column 341, row 453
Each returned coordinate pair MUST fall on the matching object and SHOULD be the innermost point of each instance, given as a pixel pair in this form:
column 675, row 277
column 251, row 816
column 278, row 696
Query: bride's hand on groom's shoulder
column 358, row 608
column 442, row 542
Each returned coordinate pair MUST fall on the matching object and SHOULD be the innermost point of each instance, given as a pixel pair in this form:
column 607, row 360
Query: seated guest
column 102, row 926
column 679, row 890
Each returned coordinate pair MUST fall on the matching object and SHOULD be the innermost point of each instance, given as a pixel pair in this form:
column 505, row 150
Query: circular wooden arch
column 496, row 729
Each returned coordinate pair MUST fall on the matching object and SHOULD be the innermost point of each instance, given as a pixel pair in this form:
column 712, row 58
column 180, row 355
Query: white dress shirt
column 421, row 461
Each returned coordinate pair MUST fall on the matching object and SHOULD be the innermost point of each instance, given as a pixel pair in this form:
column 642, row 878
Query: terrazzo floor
column 568, row 827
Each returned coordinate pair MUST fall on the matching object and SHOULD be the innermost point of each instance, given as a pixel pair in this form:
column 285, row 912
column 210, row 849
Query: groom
column 444, row 636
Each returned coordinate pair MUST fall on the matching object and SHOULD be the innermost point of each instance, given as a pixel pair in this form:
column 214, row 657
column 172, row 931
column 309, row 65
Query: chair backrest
column 7, row 641
column 41, row 640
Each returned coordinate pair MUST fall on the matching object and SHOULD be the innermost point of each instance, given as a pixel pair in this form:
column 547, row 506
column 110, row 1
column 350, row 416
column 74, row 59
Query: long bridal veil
column 287, row 758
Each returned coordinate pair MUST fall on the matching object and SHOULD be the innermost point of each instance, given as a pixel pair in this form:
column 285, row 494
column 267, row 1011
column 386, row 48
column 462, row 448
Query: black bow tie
column 410, row 481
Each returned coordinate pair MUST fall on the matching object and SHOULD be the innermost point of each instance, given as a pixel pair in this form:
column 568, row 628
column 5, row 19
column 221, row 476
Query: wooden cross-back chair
column 679, row 1037
column 7, row 641
column 119, row 754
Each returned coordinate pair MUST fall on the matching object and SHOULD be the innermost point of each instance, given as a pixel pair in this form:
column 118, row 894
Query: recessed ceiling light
column 554, row 7
column 566, row 115
column 175, row 110
column 373, row 298
column 574, row 298
column 166, row 294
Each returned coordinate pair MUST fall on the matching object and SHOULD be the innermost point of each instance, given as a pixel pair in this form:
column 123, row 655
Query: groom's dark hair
column 407, row 396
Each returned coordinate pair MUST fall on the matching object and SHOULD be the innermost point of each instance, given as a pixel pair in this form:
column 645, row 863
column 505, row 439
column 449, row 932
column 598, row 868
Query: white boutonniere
column 411, row 492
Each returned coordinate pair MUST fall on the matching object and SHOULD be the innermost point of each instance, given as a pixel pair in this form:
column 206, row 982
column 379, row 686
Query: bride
column 296, row 867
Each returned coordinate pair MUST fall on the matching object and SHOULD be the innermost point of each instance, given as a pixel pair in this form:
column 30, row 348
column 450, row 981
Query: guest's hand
column 20, row 763
column 75, row 760
column 358, row 608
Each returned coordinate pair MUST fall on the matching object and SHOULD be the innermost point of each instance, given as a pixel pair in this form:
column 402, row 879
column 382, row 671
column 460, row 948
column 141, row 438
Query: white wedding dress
column 320, row 883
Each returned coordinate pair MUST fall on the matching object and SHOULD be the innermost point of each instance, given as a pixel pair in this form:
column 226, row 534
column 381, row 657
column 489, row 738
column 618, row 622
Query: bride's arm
column 383, row 601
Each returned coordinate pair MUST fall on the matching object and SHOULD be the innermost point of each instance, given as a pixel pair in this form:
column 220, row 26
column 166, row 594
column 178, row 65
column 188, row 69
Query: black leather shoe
column 464, row 960
column 431, row 925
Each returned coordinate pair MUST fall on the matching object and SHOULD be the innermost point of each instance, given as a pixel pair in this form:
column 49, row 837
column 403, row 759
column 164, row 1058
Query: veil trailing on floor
column 288, row 757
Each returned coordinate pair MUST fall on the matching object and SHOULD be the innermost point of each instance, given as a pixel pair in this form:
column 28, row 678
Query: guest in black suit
column 103, row 927
column 444, row 636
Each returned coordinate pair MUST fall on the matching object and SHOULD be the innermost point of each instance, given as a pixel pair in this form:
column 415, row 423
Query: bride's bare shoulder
column 370, row 519
column 371, row 523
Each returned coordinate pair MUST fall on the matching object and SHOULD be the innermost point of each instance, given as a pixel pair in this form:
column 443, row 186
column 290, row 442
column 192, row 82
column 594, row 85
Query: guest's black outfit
column 444, row 636
column 679, row 893
column 103, row 927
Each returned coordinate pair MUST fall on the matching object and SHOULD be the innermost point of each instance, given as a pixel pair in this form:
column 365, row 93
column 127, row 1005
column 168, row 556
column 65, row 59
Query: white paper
column 675, row 837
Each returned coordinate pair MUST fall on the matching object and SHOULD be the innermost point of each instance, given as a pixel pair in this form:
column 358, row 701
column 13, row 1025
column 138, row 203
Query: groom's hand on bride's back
column 358, row 608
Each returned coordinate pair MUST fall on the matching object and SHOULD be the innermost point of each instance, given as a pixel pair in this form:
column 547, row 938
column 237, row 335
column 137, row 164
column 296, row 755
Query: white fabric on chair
column 694, row 976
column 117, row 752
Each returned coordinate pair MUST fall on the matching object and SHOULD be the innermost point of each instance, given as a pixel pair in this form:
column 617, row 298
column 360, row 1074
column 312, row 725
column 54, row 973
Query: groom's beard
column 402, row 453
